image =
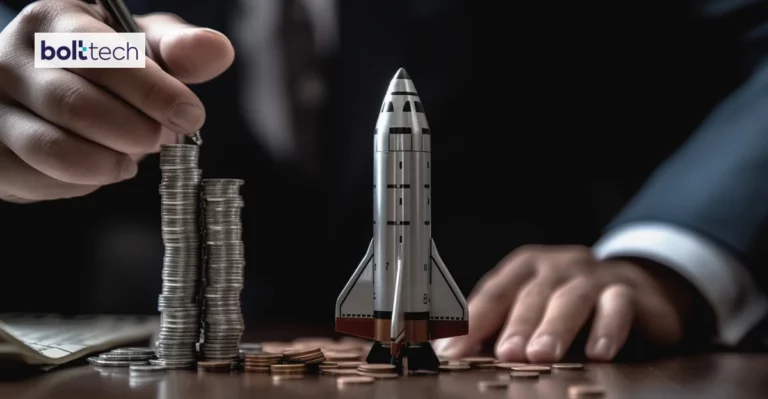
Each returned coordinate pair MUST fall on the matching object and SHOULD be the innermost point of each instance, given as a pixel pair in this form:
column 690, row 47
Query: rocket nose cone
column 402, row 74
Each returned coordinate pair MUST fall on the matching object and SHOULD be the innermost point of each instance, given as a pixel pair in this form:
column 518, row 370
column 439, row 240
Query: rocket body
column 411, row 296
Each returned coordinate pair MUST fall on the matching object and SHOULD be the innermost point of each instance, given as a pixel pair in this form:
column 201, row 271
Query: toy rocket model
column 401, row 295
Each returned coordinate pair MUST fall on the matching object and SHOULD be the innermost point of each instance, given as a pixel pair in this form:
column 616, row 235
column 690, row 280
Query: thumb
column 189, row 53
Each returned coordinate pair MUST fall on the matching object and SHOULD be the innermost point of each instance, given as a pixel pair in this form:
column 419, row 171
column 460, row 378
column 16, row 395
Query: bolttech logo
column 90, row 50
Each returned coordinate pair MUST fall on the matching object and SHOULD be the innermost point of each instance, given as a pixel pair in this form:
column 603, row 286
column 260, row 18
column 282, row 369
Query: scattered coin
column 455, row 366
column 171, row 364
column 288, row 369
column 147, row 367
column 256, row 369
column 537, row 369
column 492, row 384
column 568, row 366
column 337, row 372
column 475, row 361
column 508, row 366
column 125, row 356
column 376, row 368
column 96, row 361
column 585, row 391
column 214, row 365
column 139, row 351
column 349, row 365
column 350, row 380
column 342, row 356
column 523, row 375
column 378, row 375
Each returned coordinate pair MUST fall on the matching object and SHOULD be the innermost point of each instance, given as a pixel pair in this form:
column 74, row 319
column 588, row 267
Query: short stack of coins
column 178, row 304
column 224, row 254
column 310, row 359
column 377, row 371
column 260, row 362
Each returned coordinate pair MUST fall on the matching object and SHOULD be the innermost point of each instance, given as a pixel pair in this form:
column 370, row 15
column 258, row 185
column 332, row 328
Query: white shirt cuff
column 722, row 280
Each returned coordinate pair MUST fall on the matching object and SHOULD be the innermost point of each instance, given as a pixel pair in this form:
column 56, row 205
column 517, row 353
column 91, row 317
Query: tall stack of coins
column 224, row 258
column 178, row 303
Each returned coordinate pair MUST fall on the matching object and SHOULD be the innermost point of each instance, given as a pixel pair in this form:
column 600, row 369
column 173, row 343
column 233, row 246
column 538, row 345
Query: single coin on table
column 349, row 365
column 137, row 350
column 475, row 361
column 214, row 365
column 378, row 375
column 537, row 369
column 147, row 368
column 376, row 367
column 455, row 366
column 350, row 380
column 508, row 366
column 96, row 361
column 568, row 366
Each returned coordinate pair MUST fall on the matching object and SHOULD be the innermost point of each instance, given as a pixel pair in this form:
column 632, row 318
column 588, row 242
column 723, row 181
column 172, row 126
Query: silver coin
column 125, row 356
column 136, row 350
column 147, row 367
column 112, row 363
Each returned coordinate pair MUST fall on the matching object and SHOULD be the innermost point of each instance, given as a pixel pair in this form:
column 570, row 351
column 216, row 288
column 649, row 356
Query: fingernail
column 214, row 32
column 545, row 346
column 512, row 347
column 603, row 349
column 128, row 168
column 187, row 117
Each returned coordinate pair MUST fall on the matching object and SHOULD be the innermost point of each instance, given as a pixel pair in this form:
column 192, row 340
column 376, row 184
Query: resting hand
column 544, row 295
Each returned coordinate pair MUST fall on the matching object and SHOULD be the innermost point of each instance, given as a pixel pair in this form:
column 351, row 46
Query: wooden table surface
column 714, row 375
column 722, row 376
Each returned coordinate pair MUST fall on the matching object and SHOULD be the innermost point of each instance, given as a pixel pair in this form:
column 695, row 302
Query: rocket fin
column 354, row 306
column 449, row 314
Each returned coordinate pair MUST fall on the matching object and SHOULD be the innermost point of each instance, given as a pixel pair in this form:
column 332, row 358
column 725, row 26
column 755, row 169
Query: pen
column 120, row 14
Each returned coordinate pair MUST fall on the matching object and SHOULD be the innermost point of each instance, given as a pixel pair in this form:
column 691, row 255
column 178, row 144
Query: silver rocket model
column 401, row 295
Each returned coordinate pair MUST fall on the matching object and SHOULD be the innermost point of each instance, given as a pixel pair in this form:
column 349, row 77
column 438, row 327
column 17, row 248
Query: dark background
column 546, row 118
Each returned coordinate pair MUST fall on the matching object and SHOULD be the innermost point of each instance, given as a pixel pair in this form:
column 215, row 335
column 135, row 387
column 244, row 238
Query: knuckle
column 47, row 144
column 533, row 291
column 66, row 99
column 579, row 252
column 37, row 16
column 619, row 289
column 493, row 292
column 581, row 293
column 527, row 251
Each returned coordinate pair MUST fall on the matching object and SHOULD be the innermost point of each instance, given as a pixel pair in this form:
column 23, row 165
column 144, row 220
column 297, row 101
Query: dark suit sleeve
column 717, row 183
column 704, row 211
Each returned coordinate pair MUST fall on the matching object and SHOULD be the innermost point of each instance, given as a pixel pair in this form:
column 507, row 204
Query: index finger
column 151, row 90
column 489, row 306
